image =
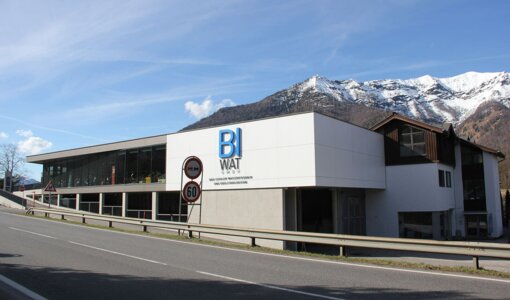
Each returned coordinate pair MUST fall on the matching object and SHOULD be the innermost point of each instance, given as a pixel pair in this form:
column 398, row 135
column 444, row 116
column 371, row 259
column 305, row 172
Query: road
column 65, row 261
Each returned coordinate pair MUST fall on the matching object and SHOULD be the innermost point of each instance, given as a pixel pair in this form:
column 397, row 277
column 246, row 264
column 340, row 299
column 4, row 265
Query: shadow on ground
column 61, row 283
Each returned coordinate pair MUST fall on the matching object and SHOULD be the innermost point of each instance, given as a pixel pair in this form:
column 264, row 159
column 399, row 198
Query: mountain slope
column 478, row 104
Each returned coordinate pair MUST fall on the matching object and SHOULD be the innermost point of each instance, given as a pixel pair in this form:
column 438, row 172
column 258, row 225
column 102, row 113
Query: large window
column 144, row 165
column 473, row 179
column 412, row 141
column 425, row 225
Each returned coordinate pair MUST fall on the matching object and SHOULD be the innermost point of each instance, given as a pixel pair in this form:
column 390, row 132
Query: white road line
column 21, row 289
column 118, row 253
column 34, row 233
column 289, row 257
column 270, row 286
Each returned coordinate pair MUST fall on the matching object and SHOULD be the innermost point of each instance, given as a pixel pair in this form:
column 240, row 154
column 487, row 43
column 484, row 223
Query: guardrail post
column 253, row 242
column 63, row 218
column 110, row 224
column 45, row 215
column 190, row 234
column 476, row 262
column 144, row 228
column 343, row 251
column 83, row 220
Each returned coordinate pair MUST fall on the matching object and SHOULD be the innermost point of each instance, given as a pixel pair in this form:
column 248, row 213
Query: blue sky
column 78, row 73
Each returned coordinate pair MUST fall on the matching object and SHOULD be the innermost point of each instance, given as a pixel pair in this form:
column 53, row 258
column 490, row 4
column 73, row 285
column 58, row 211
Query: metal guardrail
column 473, row 249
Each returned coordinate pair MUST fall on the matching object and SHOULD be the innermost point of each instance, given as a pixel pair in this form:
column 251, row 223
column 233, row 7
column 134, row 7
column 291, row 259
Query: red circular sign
column 191, row 191
column 193, row 167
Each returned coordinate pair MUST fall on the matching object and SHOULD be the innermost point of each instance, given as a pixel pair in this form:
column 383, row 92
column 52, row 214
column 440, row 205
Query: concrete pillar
column 101, row 200
column 78, row 198
column 124, row 204
column 154, row 205
column 436, row 226
column 337, row 210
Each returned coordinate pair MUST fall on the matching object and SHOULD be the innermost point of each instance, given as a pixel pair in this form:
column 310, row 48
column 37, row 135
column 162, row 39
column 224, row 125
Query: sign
column 193, row 167
column 21, row 188
column 191, row 192
column 230, row 143
column 50, row 187
column 230, row 151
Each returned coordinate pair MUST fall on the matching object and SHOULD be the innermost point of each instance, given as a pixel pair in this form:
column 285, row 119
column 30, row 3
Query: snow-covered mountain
column 425, row 98
column 478, row 104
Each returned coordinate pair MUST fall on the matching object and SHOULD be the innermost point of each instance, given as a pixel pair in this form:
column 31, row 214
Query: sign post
column 192, row 168
column 50, row 188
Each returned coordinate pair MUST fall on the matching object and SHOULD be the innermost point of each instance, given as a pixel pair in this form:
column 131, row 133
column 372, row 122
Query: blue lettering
column 231, row 140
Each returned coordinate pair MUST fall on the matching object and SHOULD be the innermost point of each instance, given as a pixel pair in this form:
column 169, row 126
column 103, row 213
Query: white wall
column 409, row 188
column 261, row 208
column 276, row 152
column 492, row 194
column 347, row 155
column 293, row 151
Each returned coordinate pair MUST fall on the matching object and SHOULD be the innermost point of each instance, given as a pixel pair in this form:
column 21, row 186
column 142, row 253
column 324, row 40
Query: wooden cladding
column 438, row 146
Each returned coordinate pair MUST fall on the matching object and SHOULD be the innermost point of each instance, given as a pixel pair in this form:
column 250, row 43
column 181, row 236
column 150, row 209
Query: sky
column 81, row 73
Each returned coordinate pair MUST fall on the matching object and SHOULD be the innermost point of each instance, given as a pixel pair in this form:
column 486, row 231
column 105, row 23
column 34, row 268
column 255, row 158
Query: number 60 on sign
column 191, row 191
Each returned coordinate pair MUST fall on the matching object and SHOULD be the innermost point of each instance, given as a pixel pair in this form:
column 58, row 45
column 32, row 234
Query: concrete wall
column 347, row 155
column 409, row 188
column 492, row 195
column 257, row 208
column 8, row 203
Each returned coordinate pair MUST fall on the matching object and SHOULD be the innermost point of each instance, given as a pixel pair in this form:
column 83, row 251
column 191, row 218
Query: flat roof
column 129, row 144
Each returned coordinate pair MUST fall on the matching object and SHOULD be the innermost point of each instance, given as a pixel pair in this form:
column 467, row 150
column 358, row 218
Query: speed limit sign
column 191, row 191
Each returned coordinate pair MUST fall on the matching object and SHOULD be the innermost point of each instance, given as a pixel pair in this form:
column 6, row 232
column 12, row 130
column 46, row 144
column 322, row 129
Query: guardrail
column 473, row 249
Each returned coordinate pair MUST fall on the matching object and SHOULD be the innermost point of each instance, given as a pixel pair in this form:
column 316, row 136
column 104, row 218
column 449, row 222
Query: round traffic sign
column 192, row 167
column 191, row 191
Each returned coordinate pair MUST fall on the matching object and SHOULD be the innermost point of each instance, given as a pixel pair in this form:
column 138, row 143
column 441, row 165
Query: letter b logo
column 230, row 143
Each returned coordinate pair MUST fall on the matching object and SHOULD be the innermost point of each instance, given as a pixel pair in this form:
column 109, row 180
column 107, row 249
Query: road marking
column 118, row 253
column 21, row 289
column 283, row 256
column 269, row 286
column 34, row 233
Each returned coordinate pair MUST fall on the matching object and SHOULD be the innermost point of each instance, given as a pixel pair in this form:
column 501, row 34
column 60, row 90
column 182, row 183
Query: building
column 304, row 172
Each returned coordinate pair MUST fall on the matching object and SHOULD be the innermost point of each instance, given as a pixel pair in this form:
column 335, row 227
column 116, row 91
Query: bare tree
column 11, row 162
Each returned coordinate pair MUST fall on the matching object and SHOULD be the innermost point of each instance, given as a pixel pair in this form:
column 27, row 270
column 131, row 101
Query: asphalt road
column 63, row 261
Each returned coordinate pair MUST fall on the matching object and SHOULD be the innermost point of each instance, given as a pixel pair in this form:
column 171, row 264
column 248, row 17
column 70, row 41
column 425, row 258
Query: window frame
column 412, row 146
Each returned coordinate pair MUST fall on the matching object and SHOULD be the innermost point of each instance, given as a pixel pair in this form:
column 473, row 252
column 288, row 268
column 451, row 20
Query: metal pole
column 180, row 193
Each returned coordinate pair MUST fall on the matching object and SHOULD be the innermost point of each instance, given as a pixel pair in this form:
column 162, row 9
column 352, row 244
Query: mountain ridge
column 465, row 100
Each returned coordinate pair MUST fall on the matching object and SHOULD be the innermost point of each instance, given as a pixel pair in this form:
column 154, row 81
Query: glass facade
column 141, row 165
column 473, row 179
column 425, row 225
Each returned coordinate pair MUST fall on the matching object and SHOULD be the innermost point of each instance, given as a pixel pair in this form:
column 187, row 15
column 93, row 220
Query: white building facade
column 304, row 172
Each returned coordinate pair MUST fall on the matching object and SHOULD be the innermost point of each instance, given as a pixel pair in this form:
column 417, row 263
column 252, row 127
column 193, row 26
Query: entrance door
column 476, row 226
column 316, row 210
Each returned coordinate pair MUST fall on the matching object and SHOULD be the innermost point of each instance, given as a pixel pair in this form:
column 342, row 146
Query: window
column 441, row 178
column 445, row 178
column 448, row 179
column 412, row 141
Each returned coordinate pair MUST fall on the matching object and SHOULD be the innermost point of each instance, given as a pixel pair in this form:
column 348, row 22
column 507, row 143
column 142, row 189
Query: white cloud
column 25, row 133
column 3, row 135
column 32, row 144
column 207, row 107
